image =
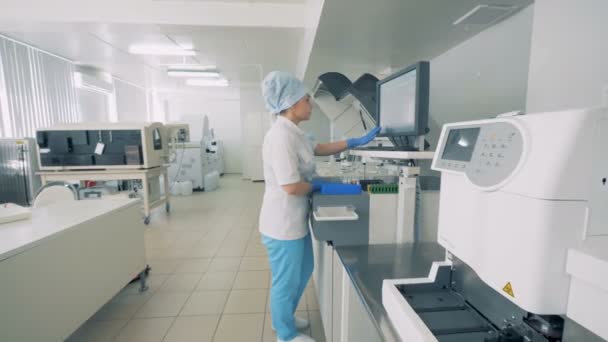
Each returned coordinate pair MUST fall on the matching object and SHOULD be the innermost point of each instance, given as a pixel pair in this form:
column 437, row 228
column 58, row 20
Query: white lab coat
column 288, row 155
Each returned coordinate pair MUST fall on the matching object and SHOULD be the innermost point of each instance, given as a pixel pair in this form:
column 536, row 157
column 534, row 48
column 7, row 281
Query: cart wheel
column 147, row 220
column 168, row 207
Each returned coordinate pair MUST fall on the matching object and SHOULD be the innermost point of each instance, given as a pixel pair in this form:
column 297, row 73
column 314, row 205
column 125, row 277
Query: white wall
column 569, row 56
column 131, row 102
column 93, row 106
column 221, row 107
column 255, row 121
column 484, row 76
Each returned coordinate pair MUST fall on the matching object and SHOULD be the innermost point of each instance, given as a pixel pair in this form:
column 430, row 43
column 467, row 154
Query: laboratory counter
column 64, row 263
column 368, row 265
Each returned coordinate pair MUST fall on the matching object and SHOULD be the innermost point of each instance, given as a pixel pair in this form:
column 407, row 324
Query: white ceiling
column 357, row 36
column 250, row 1
column 106, row 46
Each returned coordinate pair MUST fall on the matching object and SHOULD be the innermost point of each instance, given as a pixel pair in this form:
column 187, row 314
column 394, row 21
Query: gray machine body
column 460, row 307
column 342, row 233
column 18, row 167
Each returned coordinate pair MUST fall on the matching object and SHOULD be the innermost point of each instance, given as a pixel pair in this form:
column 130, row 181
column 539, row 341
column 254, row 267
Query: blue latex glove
column 356, row 142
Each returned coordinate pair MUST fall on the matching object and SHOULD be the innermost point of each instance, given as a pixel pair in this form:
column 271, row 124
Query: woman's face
column 302, row 109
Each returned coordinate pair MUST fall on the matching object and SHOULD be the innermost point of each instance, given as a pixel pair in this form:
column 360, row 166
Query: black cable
column 362, row 121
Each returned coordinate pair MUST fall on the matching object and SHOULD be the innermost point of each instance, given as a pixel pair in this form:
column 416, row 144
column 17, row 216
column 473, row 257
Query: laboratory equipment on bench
column 18, row 166
column 190, row 162
column 102, row 146
column 178, row 132
column 524, row 222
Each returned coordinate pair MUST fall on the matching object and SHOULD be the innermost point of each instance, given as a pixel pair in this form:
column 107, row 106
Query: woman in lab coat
column 289, row 165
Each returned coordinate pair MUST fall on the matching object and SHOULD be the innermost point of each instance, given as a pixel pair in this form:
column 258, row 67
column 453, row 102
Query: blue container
column 340, row 189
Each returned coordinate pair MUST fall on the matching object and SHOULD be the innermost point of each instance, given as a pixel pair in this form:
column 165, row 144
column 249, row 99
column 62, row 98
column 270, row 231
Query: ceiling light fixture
column 194, row 73
column 200, row 82
column 160, row 50
column 485, row 15
column 196, row 67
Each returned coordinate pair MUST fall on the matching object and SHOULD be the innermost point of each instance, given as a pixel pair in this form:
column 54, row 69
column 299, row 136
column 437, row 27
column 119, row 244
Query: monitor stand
column 405, row 143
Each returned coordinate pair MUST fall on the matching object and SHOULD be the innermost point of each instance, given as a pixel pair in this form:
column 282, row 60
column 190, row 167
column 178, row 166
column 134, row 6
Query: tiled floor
column 210, row 277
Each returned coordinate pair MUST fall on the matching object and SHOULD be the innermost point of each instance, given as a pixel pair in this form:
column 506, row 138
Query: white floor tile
column 254, row 264
column 240, row 328
column 246, row 301
column 231, row 251
column 225, row 264
column 92, row 331
column 163, row 267
column 181, row 283
column 205, row 303
column 216, row 281
column 193, row 266
column 193, row 328
column 163, row 305
column 145, row 330
column 252, row 280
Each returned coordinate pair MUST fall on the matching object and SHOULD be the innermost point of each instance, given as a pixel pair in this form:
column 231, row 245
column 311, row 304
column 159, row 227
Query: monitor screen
column 403, row 102
column 460, row 144
column 398, row 103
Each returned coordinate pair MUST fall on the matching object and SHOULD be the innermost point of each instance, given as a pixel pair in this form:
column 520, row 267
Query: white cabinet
column 344, row 316
column 323, row 276
column 351, row 321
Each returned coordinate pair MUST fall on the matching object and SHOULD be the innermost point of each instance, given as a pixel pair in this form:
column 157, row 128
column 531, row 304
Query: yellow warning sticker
column 509, row 289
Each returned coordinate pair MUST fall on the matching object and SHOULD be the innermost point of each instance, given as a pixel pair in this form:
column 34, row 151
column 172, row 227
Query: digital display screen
column 460, row 144
column 398, row 104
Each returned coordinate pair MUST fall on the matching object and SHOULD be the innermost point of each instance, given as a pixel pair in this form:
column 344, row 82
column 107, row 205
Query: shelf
column 401, row 155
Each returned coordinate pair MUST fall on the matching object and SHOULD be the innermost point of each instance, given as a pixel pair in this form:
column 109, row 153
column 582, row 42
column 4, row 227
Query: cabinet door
column 339, row 280
column 323, row 283
column 357, row 325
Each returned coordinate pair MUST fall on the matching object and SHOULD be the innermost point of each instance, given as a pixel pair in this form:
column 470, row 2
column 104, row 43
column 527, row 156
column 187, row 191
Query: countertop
column 52, row 220
column 369, row 265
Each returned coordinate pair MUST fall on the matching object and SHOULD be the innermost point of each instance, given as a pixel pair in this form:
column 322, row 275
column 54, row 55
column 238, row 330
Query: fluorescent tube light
column 194, row 73
column 160, row 50
column 201, row 82
column 192, row 67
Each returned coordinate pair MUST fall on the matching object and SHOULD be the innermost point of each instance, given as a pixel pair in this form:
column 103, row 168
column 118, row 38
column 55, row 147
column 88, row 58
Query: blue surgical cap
column 281, row 91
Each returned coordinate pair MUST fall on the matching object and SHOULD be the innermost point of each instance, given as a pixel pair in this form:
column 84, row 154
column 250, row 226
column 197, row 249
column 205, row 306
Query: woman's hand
column 298, row 189
column 356, row 142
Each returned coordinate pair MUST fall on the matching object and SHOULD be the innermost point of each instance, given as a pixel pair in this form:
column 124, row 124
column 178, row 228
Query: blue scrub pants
column 291, row 264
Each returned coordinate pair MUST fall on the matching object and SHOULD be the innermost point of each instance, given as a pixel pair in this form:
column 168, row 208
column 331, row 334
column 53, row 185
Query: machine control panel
column 487, row 153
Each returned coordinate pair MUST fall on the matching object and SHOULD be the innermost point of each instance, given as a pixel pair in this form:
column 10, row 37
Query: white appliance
column 521, row 197
column 178, row 132
column 191, row 162
column 215, row 152
column 102, row 145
